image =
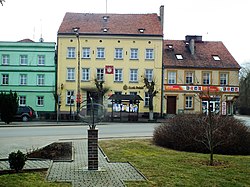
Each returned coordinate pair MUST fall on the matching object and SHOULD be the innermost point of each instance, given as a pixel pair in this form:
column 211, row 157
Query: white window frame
column 40, row 101
column 41, row 60
column 223, row 79
column 22, row 100
column 189, row 102
column 100, row 74
column 85, row 74
column 71, row 52
column 70, row 95
column 149, row 54
column 189, row 77
column 133, row 75
column 100, row 54
column 134, row 53
column 40, row 79
column 23, row 79
column 149, row 74
column 206, row 78
column 23, row 60
column 70, row 74
column 5, row 79
column 118, row 76
column 118, row 53
column 86, row 52
column 171, row 77
column 146, row 99
column 5, row 59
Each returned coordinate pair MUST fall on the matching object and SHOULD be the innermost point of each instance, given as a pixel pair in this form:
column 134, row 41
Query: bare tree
column 1, row 1
column 150, row 85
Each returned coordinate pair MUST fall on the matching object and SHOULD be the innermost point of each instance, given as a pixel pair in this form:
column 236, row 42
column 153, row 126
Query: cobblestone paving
column 108, row 175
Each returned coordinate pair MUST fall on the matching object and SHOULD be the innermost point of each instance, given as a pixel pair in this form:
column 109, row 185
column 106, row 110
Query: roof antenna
column 106, row 6
column 41, row 37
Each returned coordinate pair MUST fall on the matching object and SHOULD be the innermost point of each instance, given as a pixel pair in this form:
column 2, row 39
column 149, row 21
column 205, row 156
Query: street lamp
column 78, row 96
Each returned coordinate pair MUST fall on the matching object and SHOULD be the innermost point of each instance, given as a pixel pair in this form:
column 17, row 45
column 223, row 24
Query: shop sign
column 223, row 108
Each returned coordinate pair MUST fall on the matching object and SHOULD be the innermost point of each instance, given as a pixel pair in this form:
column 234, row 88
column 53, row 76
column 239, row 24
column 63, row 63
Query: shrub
column 190, row 133
column 17, row 160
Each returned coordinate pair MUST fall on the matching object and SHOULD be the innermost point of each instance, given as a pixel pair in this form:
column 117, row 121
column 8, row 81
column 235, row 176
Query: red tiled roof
column 117, row 24
column 202, row 58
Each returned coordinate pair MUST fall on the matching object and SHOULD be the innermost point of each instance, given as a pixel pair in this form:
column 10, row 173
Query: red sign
column 109, row 69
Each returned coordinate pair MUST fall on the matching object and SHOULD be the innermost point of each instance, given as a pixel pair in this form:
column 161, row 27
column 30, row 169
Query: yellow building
column 117, row 50
column 196, row 71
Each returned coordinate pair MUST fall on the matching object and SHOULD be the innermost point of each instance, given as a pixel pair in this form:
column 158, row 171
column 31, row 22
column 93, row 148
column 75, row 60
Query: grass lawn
column 35, row 179
column 165, row 167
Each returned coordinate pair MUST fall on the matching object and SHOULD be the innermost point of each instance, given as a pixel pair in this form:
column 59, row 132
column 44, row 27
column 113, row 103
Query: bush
column 189, row 133
column 17, row 160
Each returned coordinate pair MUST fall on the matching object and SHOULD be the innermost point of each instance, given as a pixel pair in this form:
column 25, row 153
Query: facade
column 116, row 50
column 28, row 68
column 196, row 71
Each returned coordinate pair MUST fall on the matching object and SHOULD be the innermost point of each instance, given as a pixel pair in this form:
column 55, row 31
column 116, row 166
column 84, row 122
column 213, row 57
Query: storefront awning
column 125, row 97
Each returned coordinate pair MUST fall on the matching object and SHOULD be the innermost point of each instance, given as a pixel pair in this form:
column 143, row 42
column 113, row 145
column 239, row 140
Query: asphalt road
column 36, row 135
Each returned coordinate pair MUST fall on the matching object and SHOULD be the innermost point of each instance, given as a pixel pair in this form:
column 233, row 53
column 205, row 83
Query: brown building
column 196, row 71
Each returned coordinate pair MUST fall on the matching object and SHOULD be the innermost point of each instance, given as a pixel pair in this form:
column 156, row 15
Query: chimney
column 162, row 16
column 191, row 46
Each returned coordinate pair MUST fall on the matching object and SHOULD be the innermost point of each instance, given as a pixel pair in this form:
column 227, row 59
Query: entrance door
column 171, row 104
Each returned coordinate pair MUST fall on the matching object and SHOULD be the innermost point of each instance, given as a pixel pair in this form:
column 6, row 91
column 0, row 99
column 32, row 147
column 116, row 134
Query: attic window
column 105, row 29
column 105, row 18
column 216, row 57
column 141, row 30
column 179, row 57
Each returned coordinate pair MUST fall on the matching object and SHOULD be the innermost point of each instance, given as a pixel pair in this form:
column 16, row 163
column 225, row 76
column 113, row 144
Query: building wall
column 110, row 43
column 181, row 90
column 32, row 69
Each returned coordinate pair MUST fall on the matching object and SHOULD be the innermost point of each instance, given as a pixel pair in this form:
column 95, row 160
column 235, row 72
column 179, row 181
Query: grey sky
column 215, row 20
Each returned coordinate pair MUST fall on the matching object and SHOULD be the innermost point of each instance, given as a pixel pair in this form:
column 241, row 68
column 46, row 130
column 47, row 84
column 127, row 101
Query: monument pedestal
column 92, row 149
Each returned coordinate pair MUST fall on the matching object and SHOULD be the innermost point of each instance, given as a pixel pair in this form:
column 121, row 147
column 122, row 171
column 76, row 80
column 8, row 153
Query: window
column 171, row 77
column 22, row 100
column 70, row 97
column 133, row 75
column 23, row 60
column 118, row 75
column 146, row 99
column 5, row 79
column 188, row 102
column 40, row 80
column 206, row 78
column 5, row 59
column 86, row 52
column 70, row 74
column 100, row 74
column 118, row 53
column 23, row 79
column 223, row 78
column 216, row 57
column 149, row 54
column 85, row 74
column 189, row 77
column 100, row 52
column 40, row 101
column 133, row 53
column 179, row 57
column 149, row 74
column 71, row 53
column 41, row 60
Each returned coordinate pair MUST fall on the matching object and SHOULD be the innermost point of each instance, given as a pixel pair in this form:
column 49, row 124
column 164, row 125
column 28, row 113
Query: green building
column 29, row 68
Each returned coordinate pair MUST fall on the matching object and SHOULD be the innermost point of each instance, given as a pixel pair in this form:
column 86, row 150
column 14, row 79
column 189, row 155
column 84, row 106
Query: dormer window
column 141, row 30
column 105, row 18
column 105, row 29
column 216, row 57
column 179, row 56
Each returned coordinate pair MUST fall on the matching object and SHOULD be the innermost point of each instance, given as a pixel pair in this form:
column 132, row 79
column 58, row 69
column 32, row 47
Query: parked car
column 25, row 113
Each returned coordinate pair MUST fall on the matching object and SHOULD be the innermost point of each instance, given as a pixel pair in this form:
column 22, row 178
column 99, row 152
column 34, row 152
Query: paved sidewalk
column 108, row 175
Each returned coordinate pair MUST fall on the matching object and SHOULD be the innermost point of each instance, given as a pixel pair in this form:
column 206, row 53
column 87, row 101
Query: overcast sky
column 215, row 20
